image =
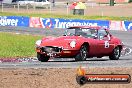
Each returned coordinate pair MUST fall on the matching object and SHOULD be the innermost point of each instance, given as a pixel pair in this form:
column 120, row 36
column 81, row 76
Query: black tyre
column 42, row 58
column 82, row 55
column 115, row 54
column 81, row 80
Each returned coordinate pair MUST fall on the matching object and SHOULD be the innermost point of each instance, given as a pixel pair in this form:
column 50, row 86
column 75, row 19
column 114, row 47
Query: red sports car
column 80, row 42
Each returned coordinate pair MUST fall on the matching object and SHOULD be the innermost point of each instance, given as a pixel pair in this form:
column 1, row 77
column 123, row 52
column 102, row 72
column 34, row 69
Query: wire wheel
column 115, row 54
column 82, row 55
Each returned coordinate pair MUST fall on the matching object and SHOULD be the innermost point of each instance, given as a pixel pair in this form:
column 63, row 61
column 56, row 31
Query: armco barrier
column 121, row 25
column 116, row 25
column 14, row 21
column 62, row 23
column 127, row 25
column 65, row 23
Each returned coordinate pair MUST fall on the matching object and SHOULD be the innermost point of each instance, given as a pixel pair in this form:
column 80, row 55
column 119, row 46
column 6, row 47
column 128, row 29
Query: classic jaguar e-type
column 80, row 42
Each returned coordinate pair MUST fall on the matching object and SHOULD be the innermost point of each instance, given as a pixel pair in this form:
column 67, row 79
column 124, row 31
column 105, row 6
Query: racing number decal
column 107, row 44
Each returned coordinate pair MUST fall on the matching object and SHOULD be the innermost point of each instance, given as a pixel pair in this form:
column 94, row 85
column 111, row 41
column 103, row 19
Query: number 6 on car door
column 107, row 44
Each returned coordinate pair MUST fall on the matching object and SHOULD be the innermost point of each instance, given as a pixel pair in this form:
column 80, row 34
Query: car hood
column 59, row 41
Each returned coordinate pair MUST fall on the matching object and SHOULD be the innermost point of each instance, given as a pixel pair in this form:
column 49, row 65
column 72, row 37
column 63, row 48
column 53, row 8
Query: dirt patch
column 55, row 78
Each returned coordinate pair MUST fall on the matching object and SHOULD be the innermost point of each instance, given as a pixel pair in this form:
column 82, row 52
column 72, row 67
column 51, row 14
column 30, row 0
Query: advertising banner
column 35, row 22
column 51, row 23
column 116, row 25
column 127, row 25
column 65, row 23
column 14, row 21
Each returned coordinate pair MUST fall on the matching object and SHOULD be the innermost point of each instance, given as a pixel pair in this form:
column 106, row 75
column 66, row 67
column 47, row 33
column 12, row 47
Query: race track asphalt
column 124, row 61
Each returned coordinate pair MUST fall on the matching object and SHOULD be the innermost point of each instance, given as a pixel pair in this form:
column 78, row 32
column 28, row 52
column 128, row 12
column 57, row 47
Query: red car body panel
column 96, row 46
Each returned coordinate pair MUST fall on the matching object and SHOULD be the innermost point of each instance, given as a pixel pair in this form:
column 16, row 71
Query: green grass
column 65, row 16
column 14, row 45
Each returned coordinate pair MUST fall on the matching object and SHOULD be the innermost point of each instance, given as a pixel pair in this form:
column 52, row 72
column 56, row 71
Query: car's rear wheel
column 42, row 58
column 115, row 54
column 82, row 55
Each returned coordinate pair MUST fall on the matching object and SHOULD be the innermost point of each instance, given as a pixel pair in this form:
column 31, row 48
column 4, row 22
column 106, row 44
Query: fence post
column 2, row 8
column 112, row 2
column 14, row 6
column 67, row 9
column 34, row 7
column 27, row 6
column 50, row 8
column 18, row 7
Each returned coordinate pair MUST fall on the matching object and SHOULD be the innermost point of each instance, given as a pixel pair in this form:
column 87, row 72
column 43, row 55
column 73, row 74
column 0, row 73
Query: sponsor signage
column 116, row 25
column 103, row 78
column 52, row 23
column 83, row 78
column 65, row 23
column 14, row 21
column 35, row 22
column 127, row 25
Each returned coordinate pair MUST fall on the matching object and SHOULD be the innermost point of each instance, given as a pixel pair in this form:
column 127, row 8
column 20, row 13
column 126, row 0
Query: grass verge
column 14, row 45
column 65, row 16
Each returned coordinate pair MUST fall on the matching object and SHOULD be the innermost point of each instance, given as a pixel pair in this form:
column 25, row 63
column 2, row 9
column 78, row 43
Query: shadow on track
column 72, row 60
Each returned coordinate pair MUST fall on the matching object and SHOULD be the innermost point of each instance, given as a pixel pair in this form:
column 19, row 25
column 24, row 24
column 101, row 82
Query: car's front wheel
column 42, row 58
column 115, row 54
column 82, row 55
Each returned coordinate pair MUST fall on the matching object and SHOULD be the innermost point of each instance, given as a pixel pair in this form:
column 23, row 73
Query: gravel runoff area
column 55, row 78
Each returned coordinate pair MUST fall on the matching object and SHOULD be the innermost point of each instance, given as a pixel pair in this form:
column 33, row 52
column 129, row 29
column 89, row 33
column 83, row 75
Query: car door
column 93, row 40
column 104, row 41
column 90, row 36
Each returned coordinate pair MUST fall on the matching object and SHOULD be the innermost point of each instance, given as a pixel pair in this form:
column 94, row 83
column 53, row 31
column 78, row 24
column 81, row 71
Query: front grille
column 51, row 49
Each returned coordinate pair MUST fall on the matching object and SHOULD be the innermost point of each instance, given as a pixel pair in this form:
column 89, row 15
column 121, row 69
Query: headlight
column 73, row 44
column 38, row 42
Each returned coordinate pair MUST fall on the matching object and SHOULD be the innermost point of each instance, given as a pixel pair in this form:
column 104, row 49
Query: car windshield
column 85, row 32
